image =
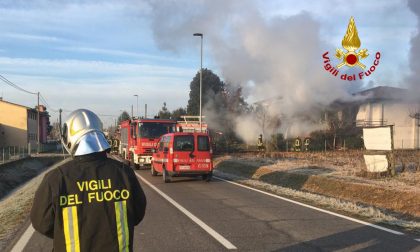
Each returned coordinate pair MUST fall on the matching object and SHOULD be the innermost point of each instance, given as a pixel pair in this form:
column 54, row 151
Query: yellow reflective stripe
column 76, row 229
column 122, row 227
column 125, row 224
column 66, row 229
column 119, row 229
column 71, row 229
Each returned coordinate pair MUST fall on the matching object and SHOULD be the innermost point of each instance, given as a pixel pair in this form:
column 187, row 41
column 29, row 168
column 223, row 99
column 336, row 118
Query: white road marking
column 315, row 208
column 417, row 240
column 21, row 244
column 199, row 222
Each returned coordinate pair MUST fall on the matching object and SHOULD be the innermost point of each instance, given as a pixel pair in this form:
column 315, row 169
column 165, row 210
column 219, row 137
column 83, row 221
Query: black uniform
column 91, row 203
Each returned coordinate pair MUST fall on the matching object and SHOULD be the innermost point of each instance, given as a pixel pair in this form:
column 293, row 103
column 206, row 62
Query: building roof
column 15, row 104
column 27, row 108
column 384, row 93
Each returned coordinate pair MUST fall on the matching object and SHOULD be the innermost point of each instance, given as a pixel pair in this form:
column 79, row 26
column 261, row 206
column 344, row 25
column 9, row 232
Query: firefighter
column 306, row 142
column 92, row 202
column 298, row 144
column 260, row 143
column 115, row 145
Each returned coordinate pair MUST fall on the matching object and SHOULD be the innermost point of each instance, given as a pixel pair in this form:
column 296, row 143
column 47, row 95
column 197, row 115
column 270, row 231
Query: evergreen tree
column 164, row 112
column 177, row 113
column 123, row 117
column 211, row 86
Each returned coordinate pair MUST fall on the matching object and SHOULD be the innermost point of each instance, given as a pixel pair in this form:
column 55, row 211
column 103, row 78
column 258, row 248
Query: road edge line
column 314, row 208
column 227, row 244
column 24, row 239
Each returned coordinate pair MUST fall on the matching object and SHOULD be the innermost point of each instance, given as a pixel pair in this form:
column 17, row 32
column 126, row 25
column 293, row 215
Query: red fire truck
column 140, row 136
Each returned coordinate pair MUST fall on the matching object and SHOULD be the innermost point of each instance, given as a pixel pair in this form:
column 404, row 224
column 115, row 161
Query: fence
column 10, row 153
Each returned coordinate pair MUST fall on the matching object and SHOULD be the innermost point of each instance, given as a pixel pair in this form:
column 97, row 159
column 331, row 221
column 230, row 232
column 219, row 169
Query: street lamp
column 137, row 96
column 201, row 70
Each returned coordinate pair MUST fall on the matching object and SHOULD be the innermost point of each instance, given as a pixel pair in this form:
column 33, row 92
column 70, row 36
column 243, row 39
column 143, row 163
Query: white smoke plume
column 414, row 78
column 270, row 57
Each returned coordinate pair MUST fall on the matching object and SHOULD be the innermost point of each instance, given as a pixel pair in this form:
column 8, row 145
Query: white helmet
column 82, row 133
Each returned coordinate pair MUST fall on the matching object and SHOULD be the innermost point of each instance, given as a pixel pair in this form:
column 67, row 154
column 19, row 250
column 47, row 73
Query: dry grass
column 334, row 174
column 344, row 165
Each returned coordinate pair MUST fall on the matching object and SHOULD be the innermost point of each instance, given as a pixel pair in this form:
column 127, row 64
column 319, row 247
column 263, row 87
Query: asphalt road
column 245, row 219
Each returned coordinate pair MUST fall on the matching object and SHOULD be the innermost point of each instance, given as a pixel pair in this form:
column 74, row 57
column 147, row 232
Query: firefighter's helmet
column 82, row 133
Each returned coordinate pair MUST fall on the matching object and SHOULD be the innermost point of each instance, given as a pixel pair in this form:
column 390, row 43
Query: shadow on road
column 360, row 239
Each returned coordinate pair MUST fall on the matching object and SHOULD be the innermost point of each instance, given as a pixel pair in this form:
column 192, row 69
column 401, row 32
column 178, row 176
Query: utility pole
column 38, row 123
column 137, row 97
column 59, row 118
column 131, row 111
column 145, row 110
column 201, row 73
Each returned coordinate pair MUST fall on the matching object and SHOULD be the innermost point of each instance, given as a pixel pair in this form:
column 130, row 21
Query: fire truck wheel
column 152, row 170
column 165, row 176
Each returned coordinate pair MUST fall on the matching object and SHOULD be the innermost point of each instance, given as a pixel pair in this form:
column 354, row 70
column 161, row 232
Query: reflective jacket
column 91, row 203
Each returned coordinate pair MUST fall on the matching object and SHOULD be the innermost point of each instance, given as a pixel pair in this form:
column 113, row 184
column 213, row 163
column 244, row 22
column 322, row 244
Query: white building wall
column 406, row 128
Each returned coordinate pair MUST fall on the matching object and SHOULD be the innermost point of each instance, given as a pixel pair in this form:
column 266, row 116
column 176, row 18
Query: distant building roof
column 384, row 93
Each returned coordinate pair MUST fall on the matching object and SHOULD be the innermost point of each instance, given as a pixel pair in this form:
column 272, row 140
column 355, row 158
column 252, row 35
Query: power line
column 15, row 86
column 46, row 103
column 43, row 99
column 8, row 82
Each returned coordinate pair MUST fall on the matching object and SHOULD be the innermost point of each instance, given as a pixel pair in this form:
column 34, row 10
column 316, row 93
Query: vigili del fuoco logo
column 351, row 56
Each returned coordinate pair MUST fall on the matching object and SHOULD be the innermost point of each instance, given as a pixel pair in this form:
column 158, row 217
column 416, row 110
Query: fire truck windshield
column 155, row 129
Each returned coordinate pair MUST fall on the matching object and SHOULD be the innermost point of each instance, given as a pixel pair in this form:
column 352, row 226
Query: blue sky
column 98, row 54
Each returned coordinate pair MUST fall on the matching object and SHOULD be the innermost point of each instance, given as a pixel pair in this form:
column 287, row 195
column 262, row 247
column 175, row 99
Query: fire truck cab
column 140, row 136
column 183, row 154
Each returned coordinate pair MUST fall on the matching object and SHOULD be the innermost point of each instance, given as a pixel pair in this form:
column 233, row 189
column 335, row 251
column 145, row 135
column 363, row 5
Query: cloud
column 103, row 96
column 82, row 69
column 31, row 37
column 122, row 53
column 104, row 87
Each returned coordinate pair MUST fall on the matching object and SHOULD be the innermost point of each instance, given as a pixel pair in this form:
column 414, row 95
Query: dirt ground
column 336, row 174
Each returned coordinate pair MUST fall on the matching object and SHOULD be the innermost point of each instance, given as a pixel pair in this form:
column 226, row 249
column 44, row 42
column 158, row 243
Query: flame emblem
column 351, row 43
